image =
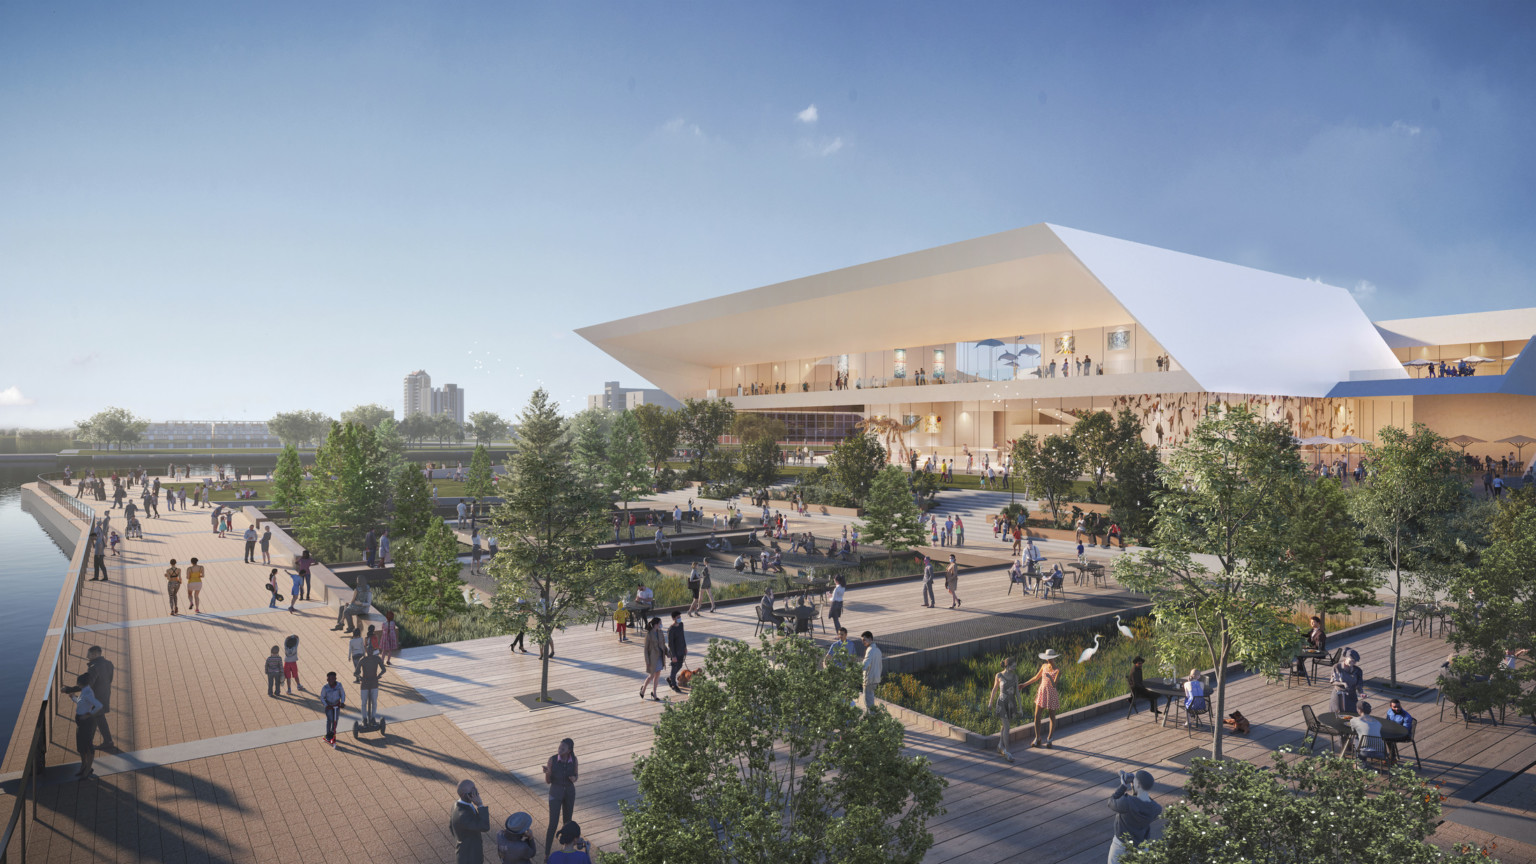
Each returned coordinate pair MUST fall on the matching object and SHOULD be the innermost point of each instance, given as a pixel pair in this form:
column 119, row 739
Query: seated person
column 1368, row 733
column 645, row 596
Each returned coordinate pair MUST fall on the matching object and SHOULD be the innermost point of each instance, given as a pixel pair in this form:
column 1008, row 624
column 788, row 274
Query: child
column 355, row 651
column 274, row 674
column 621, row 622
column 291, row 664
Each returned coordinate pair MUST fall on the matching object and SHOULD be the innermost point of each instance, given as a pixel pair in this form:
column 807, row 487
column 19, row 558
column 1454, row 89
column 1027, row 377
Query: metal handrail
column 42, row 730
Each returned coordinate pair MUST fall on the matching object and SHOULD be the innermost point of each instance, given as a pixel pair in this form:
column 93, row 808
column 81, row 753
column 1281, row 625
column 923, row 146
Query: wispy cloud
column 683, row 126
column 809, row 115
column 11, row 397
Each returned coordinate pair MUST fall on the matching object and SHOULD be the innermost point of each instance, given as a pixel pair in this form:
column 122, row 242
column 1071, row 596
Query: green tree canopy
column 855, row 462
column 299, row 428
column 1049, row 467
column 413, row 503
column 487, row 427
column 370, row 415
column 548, row 524
column 288, row 481
column 660, row 430
column 701, row 422
column 629, row 472
column 1323, row 810
column 1225, row 497
column 891, row 517
column 477, row 481
column 111, row 426
column 426, row 578
column 348, row 494
column 1406, row 511
column 768, row 760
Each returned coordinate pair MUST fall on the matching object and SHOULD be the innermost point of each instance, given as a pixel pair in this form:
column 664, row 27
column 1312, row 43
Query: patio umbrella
column 1519, row 442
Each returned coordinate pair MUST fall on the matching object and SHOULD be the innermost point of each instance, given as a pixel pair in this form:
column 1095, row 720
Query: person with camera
column 515, row 844
column 573, row 849
column 1135, row 811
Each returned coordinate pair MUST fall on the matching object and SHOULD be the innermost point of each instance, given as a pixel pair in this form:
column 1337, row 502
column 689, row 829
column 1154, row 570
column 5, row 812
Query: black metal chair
column 1315, row 728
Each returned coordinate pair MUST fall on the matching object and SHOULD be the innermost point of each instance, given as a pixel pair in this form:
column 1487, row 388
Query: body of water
column 32, row 569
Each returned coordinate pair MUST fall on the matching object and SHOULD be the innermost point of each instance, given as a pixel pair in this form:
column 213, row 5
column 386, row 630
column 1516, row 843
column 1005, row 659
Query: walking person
column 1004, row 701
column 560, row 772
column 677, row 649
column 266, row 545
column 874, row 667
column 928, row 601
column 468, row 820
column 333, row 697
column 655, row 658
column 952, row 582
column 291, row 664
column 1135, row 811
column 250, row 544
column 1046, row 697
column 194, row 584
column 173, row 585
column 274, row 670
column 99, row 673
column 836, row 612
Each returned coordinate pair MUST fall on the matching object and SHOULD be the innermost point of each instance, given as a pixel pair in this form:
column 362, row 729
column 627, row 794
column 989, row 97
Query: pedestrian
column 836, row 612
column 655, row 658
column 333, row 697
column 88, row 711
column 874, row 666
column 266, row 545
column 194, row 584
column 389, row 637
column 99, row 674
column 468, row 820
column 291, row 664
column 928, row 582
column 303, row 564
column 560, row 773
column 1004, row 702
column 173, row 584
column 1046, row 697
column 677, row 649
column 274, row 669
column 99, row 557
column 952, row 582
column 515, row 844
column 370, row 670
column 1135, row 811
column 250, row 544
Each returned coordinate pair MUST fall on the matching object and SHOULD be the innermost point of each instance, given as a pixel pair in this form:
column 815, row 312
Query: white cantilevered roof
column 1234, row 329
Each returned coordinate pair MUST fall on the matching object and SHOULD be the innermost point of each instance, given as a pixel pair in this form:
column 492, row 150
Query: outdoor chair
column 1315, row 728
column 1329, row 661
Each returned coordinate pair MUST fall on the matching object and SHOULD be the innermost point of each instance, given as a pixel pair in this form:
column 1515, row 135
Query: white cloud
column 11, row 397
column 832, row 146
column 809, row 115
column 681, row 126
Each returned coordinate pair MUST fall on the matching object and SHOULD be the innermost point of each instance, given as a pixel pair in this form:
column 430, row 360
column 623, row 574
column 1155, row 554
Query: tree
column 659, row 429
column 891, row 517
column 370, row 415
column 1049, row 467
column 426, row 578
column 112, row 426
column 1136, row 487
column 487, row 427
column 478, row 480
column 1324, row 810
column 589, row 445
column 855, row 462
column 1503, row 616
column 769, row 760
column 1225, row 497
column 629, row 473
column 299, row 428
column 701, row 422
column 413, row 503
column 347, row 496
column 1405, row 508
column 1323, row 543
column 1101, row 440
column 548, row 524
column 288, row 481
column 759, row 465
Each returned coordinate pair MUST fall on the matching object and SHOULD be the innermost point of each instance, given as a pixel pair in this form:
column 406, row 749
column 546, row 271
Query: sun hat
column 519, row 822
column 1050, row 654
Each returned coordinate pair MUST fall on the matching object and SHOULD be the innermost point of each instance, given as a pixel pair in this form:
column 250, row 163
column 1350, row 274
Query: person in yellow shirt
column 194, row 584
column 173, row 584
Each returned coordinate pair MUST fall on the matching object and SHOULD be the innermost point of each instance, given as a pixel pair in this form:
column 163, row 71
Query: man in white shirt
column 874, row 663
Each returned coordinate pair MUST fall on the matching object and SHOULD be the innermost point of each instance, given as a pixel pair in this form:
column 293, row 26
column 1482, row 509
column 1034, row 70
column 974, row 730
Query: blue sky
column 223, row 211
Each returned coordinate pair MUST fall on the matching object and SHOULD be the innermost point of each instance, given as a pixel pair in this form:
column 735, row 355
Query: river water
column 32, row 569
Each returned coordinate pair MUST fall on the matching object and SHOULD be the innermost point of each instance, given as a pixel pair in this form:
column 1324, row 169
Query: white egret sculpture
column 1124, row 630
column 1088, row 652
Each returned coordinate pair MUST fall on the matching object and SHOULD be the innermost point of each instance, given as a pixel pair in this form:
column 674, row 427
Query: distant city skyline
column 397, row 185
